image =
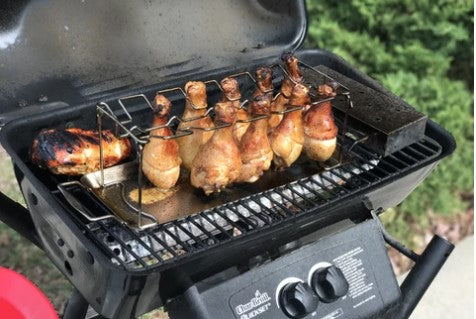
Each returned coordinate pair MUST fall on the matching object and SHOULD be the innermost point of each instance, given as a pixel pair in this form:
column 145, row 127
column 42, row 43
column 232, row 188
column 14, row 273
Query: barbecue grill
column 306, row 242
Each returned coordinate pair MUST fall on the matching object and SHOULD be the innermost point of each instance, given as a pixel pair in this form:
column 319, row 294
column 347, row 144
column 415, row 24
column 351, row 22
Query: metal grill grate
column 163, row 244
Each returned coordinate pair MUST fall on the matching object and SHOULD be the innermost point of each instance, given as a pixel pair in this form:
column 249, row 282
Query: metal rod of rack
column 141, row 135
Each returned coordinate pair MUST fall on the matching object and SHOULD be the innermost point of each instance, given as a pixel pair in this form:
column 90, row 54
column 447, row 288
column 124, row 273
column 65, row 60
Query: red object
column 21, row 299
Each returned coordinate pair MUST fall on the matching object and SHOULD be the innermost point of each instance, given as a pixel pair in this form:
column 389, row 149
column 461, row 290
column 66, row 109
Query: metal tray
column 120, row 191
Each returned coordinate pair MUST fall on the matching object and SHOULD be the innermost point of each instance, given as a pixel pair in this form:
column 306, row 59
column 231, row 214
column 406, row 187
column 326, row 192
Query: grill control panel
column 345, row 275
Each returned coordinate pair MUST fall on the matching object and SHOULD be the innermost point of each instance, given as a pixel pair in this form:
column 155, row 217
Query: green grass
column 19, row 254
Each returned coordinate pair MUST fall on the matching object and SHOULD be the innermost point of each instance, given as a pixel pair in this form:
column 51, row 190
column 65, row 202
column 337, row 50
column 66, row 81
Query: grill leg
column 76, row 307
column 187, row 306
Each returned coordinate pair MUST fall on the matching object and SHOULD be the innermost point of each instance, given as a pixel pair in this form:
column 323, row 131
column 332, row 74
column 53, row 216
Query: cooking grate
column 164, row 244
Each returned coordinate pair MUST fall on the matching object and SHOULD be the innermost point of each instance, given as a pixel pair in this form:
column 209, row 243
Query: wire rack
column 126, row 126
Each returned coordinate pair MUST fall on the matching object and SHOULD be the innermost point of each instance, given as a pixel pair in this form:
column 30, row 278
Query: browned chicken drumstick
column 320, row 131
column 218, row 162
column 288, row 137
column 74, row 151
column 291, row 64
column 161, row 160
column 256, row 152
column 264, row 83
column 231, row 92
column 190, row 144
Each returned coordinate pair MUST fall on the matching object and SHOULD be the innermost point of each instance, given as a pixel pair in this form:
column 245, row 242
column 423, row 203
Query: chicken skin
column 288, row 137
column 256, row 152
column 264, row 83
column 160, row 159
column 74, row 151
column 190, row 144
column 291, row 64
column 231, row 92
column 320, row 131
column 218, row 162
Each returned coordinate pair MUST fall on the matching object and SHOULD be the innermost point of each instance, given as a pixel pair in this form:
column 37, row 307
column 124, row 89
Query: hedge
column 422, row 51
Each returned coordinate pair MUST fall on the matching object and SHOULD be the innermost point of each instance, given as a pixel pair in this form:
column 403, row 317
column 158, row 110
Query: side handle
column 426, row 267
column 18, row 218
column 423, row 273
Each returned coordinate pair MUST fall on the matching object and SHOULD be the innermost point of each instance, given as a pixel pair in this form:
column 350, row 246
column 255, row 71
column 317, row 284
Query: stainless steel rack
column 141, row 135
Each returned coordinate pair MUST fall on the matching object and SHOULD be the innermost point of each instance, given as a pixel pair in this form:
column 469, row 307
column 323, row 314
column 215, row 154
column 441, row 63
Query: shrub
column 422, row 51
column 449, row 103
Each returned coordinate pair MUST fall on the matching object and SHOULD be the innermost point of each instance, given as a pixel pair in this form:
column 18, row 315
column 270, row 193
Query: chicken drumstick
column 160, row 160
column 231, row 93
column 256, row 152
column 291, row 64
column 190, row 144
column 320, row 131
column 264, row 83
column 288, row 137
column 218, row 162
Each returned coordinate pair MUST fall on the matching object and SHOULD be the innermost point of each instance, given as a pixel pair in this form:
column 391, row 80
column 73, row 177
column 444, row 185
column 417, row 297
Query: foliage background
column 422, row 50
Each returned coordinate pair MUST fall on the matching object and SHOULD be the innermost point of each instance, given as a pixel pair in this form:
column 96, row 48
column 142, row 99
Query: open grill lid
column 75, row 51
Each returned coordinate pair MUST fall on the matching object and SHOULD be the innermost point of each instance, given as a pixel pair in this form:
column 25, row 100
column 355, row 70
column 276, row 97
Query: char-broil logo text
column 257, row 305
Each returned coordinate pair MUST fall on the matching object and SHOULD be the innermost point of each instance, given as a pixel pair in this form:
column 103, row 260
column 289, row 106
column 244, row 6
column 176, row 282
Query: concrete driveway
column 451, row 295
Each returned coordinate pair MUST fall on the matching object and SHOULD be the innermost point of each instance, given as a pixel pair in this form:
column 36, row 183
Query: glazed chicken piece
column 160, row 159
column 288, row 137
column 231, row 93
column 291, row 64
column 320, row 131
column 74, row 151
column 264, row 82
column 295, row 76
column 190, row 144
column 278, row 105
column 256, row 152
column 218, row 163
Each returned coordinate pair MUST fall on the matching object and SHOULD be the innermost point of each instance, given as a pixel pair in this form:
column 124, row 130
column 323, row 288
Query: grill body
column 359, row 250
column 117, row 290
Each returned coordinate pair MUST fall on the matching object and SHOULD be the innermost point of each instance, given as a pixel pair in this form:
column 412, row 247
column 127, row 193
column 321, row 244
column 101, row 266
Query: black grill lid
column 73, row 50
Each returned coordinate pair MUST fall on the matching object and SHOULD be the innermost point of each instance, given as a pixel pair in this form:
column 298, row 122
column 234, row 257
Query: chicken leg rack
column 125, row 125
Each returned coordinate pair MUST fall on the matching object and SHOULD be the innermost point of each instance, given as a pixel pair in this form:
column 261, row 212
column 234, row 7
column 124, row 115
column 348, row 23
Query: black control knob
column 329, row 283
column 297, row 300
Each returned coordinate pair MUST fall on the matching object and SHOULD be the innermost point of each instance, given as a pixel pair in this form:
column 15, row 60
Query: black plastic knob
column 329, row 283
column 297, row 300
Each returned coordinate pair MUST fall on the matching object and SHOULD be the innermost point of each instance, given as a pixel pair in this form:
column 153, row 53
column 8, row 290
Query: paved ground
column 451, row 295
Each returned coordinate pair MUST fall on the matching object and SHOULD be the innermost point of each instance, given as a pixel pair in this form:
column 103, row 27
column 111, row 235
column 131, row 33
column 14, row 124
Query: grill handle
column 18, row 218
column 422, row 274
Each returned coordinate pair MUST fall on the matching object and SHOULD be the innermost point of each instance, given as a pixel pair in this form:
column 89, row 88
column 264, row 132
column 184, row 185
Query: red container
column 21, row 299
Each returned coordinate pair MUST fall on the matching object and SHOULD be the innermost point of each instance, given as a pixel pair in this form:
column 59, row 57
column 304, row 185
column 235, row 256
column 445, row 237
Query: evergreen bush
column 421, row 50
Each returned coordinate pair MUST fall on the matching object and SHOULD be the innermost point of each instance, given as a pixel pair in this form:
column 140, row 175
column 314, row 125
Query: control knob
column 329, row 283
column 297, row 300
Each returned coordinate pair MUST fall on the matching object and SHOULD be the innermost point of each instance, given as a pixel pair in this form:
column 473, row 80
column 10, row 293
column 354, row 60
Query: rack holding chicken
column 245, row 139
